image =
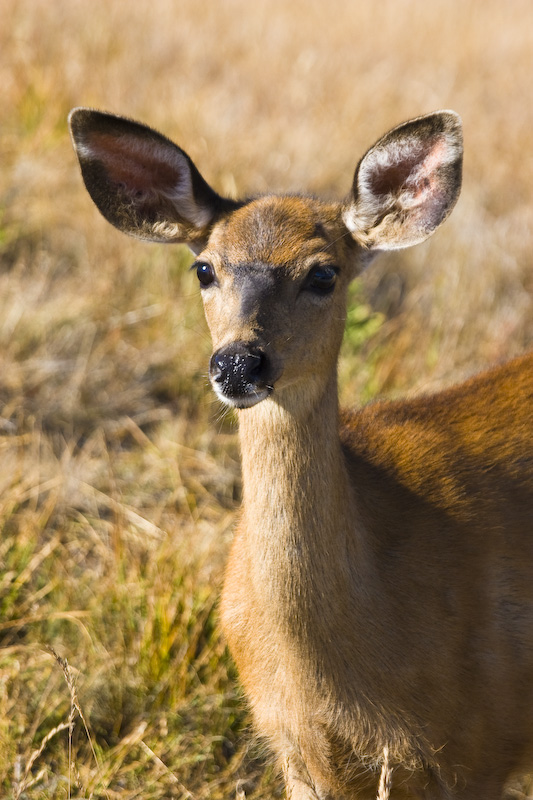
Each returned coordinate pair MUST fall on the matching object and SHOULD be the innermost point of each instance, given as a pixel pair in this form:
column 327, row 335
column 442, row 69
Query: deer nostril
column 256, row 364
column 219, row 366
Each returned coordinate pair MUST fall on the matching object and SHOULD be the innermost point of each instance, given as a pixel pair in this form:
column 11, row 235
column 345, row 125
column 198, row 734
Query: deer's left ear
column 143, row 183
column 407, row 183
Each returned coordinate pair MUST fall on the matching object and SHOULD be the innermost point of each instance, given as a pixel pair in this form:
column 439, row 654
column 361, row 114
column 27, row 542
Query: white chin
column 243, row 401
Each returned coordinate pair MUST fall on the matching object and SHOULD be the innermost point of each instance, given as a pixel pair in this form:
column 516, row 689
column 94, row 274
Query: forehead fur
column 275, row 230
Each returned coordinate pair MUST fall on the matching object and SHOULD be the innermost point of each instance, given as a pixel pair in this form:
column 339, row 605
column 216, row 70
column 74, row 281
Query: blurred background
column 120, row 477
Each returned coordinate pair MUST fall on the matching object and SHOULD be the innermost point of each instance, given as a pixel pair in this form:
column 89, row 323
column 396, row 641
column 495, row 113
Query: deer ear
column 407, row 183
column 142, row 182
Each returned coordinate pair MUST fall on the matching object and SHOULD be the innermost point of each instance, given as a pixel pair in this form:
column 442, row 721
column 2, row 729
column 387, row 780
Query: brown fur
column 379, row 593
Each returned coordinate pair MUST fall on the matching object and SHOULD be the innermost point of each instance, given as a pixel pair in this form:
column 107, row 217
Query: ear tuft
column 407, row 183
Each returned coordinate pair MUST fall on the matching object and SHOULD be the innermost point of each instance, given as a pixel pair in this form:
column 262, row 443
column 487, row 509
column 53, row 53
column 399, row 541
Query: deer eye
column 321, row 279
column 205, row 273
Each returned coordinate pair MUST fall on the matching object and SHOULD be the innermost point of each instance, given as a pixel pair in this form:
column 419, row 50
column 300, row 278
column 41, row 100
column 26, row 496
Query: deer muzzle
column 241, row 374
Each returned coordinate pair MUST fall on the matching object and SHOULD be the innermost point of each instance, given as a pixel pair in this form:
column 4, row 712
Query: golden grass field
column 120, row 477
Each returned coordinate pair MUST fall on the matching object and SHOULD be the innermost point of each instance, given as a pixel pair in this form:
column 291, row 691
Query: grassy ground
column 120, row 478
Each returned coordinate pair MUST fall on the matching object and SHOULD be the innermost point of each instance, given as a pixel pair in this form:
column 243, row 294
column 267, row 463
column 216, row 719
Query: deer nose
column 239, row 374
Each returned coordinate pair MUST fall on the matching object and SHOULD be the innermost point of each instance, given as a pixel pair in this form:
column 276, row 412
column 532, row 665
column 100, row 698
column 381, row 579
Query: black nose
column 239, row 373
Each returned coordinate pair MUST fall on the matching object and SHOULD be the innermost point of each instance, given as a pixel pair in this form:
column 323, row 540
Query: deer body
column 379, row 593
column 429, row 651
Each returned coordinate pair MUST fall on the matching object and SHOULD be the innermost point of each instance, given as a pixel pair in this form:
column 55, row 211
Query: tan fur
column 378, row 598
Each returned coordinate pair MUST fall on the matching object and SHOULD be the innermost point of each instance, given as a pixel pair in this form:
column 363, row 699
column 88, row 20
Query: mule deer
column 379, row 590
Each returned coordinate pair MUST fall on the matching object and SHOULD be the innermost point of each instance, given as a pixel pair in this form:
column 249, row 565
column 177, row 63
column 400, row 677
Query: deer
column 378, row 594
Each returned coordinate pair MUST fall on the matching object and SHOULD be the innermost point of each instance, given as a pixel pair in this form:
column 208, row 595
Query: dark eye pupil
column 205, row 274
column 322, row 279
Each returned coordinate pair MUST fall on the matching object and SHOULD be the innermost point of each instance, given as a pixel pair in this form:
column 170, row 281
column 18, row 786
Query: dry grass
column 119, row 480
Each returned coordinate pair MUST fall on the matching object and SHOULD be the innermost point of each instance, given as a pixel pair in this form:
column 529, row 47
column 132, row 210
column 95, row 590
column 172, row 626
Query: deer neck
column 296, row 497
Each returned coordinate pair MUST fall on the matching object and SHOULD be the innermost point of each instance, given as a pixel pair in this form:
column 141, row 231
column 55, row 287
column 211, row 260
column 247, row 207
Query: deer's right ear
column 142, row 182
